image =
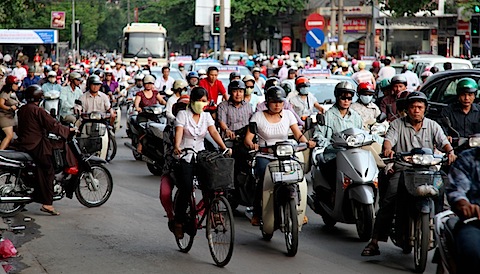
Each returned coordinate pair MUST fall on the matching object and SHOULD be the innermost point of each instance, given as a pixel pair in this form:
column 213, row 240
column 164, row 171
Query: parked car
column 457, row 63
column 441, row 89
column 475, row 62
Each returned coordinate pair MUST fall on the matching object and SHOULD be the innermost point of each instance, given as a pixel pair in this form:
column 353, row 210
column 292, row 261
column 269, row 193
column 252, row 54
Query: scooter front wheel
column 290, row 226
column 112, row 146
column 95, row 187
column 421, row 242
column 364, row 220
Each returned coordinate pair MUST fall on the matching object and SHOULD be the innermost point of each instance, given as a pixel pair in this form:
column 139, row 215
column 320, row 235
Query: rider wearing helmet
column 234, row 114
column 304, row 102
column 368, row 110
column 132, row 91
column 234, row 76
column 51, row 85
column 31, row 78
column 412, row 79
column 273, row 125
column 180, row 87
column 251, row 96
column 283, row 70
column 404, row 134
column 68, row 96
column 94, row 100
column 192, row 79
column 388, row 105
column 202, row 73
column 340, row 116
column 464, row 114
column 34, row 124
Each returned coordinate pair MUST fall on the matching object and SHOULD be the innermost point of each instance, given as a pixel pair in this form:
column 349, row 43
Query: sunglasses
column 346, row 98
column 249, row 86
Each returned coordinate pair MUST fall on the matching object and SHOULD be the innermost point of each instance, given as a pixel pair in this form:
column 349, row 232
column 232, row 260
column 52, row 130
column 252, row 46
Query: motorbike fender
column 362, row 194
column 302, row 202
column 358, row 164
column 268, row 206
column 95, row 159
column 425, row 205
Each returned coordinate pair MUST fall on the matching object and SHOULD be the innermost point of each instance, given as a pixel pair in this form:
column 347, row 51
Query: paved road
column 129, row 234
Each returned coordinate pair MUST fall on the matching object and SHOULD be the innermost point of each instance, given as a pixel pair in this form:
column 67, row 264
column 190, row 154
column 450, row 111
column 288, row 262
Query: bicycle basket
column 423, row 183
column 214, row 170
column 286, row 172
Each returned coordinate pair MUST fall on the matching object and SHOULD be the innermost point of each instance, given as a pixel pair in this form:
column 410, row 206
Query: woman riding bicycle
column 191, row 127
column 273, row 126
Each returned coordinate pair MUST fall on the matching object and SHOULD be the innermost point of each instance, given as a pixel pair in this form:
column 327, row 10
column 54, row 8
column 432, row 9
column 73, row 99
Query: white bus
column 143, row 40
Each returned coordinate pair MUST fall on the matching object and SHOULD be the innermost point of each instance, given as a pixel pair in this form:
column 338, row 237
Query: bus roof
column 144, row 27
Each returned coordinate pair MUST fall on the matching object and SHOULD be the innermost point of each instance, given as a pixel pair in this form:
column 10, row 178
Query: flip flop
column 371, row 250
column 51, row 212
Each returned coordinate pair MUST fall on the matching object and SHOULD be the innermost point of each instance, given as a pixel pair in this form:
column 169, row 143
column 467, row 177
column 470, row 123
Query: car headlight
column 284, row 150
column 423, row 159
column 95, row 116
column 474, row 141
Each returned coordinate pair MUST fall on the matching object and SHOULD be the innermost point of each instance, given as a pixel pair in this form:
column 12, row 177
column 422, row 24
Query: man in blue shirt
column 31, row 78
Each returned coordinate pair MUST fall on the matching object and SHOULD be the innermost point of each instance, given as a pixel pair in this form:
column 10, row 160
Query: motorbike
column 284, row 191
column 419, row 197
column 460, row 143
column 96, row 135
column 151, row 123
column 51, row 103
column 90, row 180
column 444, row 224
column 348, row 195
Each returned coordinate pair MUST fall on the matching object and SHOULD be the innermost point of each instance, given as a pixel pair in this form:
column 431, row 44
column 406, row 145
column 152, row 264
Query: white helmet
column 248, row 78
column 52, row 74
column 139, row 76
column 202, row 71
column 179, row 84
column 149, row 79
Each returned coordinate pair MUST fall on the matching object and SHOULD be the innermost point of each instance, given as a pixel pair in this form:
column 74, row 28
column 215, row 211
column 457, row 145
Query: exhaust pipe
column 24, row 199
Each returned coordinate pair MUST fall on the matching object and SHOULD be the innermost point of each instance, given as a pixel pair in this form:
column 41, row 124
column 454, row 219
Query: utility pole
column 128, row 12
column 73, row 33
column 371, row 41
column 340, row 22
column 222, row 29
column 333, row 20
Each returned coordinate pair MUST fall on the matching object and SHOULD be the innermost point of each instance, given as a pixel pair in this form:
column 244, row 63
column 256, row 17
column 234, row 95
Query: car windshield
column 188, row 66
column 175, row 74
column 205, row 66
column 454, row 66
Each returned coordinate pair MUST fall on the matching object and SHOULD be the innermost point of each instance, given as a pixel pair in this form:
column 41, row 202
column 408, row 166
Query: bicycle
column 216, row 210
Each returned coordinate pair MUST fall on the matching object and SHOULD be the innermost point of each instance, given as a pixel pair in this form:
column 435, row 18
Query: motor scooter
column 284, row 191
column 419, row 197
column 51, row 103
column 348, row 195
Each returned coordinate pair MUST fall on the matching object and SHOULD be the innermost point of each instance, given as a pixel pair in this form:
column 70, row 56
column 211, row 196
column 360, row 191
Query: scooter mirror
column 53, row 112
column 382, row 117
column 320, row 119
column 78, row 102
column 252, row 126
column 308, row 123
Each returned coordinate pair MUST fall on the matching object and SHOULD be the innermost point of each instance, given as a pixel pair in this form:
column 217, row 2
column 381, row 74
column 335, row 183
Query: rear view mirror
column 308, row 123
column 78, row 102
column 320, row 119
column 382, row 117
column 252, row 126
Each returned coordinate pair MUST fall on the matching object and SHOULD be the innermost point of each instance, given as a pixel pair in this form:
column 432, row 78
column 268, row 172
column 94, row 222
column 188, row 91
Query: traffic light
column 216, row 9
column 216, row 23
column 476, row 9
column 474, row 26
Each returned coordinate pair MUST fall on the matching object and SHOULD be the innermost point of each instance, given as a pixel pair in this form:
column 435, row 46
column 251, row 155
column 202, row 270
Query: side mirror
column 308, row 123
column 252, row 126
column 78, row 102
column 320, row 119
column 382, row 117
column 53, row 112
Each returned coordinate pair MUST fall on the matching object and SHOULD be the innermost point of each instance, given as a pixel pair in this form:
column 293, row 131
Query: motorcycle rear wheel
column 290, row 226
column 155, row 169
column 7, row 180
column 90, row 196
column 421, row 242
column 112, row 146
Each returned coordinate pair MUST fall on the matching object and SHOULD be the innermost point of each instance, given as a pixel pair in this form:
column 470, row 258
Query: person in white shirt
column 179, row 89
column 363, row 75
column 118, row 72
column 19, row 71
column 283, row 72
column 165, row 82
column 412, row 79
column 386, row 72
column 259, row 80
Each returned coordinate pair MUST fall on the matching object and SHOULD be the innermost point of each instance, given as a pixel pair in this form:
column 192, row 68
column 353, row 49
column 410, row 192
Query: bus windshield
column 143, row 45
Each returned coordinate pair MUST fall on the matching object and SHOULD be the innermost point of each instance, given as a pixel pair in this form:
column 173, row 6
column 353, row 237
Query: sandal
column 371, row 250
column 50, row 211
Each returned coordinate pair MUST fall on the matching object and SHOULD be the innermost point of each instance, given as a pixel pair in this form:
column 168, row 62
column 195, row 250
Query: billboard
column 28, row 36
column 57, row 20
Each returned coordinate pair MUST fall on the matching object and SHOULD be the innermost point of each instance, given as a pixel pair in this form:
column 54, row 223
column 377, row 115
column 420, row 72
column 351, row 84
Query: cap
column 361, row 65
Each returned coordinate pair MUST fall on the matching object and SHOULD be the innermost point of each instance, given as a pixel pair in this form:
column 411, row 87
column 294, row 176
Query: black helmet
column 417, row 96
column 271, row 82
column 275, row 93
column 235, row 84
column 398, row 79
column 99, row 72
column 33, row 93
column 234, row 75
column 342, row 87
column 93, row 79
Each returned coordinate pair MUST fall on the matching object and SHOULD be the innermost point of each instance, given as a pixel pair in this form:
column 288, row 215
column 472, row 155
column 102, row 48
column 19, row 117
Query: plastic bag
column 7, row 249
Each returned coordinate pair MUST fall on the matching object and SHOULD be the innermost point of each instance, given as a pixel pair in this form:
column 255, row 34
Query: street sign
column 315, row 21
column 333, row 39
column 315, row 38
column 286, row 44
column 468, row 45
column 312, row 53
column 467, row 35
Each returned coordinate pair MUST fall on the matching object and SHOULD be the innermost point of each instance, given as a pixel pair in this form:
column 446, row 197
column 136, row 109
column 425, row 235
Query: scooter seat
column 16, row 155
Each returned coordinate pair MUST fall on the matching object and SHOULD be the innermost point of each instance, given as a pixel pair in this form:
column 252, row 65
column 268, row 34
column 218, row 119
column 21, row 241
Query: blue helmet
column 192, row 74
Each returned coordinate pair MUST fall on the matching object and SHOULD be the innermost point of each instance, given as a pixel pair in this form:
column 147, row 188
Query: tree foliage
column 408, row 7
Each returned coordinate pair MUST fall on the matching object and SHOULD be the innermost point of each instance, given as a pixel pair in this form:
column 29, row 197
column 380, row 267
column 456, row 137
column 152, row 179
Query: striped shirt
column 363, row 76
column 235, row 117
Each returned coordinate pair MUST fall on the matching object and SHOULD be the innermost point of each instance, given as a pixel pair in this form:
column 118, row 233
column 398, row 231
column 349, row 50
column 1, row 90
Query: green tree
column 408, row 7
column 259, row 18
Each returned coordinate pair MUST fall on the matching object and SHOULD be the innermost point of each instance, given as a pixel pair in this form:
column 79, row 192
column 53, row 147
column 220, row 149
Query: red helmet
column 301, row 81
column 181, row 65
column 376, row 64
column 365, row 87
column 280, row 62
column 11, row 79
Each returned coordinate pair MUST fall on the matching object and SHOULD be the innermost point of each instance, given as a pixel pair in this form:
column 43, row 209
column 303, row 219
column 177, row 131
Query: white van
column 457, row 63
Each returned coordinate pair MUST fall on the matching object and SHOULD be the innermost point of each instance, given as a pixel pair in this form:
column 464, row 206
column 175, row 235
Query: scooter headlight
column 354, row 140
column 474, row 141
column 423, row 159
column 95, row 116
column 284, row 150
column 378, row 129
column 157, row 110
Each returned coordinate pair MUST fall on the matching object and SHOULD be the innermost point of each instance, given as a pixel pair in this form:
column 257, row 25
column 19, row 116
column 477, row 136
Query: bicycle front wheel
column 220, row 231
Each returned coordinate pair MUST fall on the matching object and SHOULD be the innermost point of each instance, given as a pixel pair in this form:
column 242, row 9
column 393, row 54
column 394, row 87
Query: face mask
column 198, row 106
column 366, row 99
column 181, row 68
column 184, row 92
column 194, row 82
column 52, row 79
column 303, row 91
column 248, row 91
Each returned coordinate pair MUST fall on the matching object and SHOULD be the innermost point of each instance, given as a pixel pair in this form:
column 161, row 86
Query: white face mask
column 366, row 99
